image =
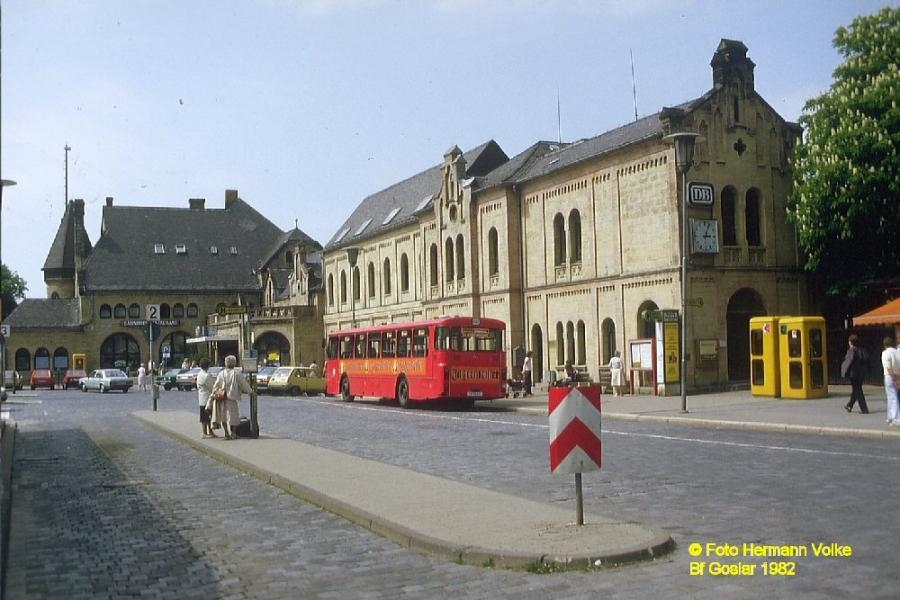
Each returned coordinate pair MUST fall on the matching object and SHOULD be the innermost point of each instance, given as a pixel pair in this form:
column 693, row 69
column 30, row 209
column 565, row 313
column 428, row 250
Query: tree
column 847, row 167
column 12, row 289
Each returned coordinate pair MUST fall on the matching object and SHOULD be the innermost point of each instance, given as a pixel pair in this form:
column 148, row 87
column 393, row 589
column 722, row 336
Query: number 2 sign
column 153, row 312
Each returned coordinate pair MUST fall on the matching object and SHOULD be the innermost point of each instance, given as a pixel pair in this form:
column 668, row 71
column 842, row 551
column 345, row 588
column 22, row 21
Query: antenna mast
column 558, row 118
column 633, row 85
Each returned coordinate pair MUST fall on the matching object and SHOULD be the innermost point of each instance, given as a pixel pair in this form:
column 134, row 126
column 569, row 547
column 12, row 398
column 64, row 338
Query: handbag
column 219, row 394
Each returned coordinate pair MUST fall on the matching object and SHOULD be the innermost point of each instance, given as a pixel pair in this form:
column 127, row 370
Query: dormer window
column 233, row 250
column 391, row 215
column 159, row 249
column 213, row 249
column 180, row 249
column 362, row 227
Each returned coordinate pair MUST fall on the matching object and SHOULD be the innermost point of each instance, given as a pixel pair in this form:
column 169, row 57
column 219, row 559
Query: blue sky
column 308, row 106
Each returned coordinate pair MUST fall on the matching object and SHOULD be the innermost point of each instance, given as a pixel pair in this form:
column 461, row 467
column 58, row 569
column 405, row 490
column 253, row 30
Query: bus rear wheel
column 403, row 393
column 345, row 390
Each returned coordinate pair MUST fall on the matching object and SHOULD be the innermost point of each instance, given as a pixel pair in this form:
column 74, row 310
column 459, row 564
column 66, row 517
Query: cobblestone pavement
column 104, row 507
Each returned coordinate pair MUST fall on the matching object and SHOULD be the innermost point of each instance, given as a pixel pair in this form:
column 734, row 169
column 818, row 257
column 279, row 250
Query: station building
column 220, row 280
column 578, row 246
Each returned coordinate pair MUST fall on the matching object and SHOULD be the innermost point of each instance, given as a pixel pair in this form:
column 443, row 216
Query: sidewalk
column 454, row 520
column 742, row 410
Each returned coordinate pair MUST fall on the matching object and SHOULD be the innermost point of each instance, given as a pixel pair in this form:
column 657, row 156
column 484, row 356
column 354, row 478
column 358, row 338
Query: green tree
column 12, row 289
column 847, row 168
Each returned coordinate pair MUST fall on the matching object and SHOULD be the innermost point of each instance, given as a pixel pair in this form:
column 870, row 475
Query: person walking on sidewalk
column 233, row 383
column 616, row 374
column 526, row 374
column 854, row 368
column 204, row 391
column 890, row 361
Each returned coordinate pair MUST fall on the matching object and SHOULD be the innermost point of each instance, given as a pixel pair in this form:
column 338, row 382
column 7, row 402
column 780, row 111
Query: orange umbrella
column 888, row 314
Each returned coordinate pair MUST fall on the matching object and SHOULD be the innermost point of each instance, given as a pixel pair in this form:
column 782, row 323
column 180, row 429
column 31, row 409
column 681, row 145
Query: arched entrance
column 607, row 340
column 178, row 349
column 646, row 328
column 537, row 359
column 120, row 351
column 274, row 349
column 742, row 306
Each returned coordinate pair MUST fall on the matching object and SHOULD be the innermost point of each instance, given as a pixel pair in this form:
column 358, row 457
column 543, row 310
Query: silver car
column 105, row 380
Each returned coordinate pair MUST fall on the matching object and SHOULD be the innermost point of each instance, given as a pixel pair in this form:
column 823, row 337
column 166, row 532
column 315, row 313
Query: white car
column 104, row 380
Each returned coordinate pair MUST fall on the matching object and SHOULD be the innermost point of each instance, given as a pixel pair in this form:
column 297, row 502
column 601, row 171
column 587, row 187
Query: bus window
column 333, row 350
column 420, row 342
column 388, row 347
column 374, row 345
column 442, row 338
column 403, row 343
column 360, row 351
column 347, row 346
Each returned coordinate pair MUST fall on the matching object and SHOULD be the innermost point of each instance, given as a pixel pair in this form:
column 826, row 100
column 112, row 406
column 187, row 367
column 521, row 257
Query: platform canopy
column 888, row 314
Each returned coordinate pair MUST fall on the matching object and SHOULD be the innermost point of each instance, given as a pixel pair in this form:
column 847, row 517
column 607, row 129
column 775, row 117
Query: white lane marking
column 672, row 438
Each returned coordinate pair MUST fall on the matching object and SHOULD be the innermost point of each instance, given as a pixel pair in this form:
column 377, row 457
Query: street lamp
column 684, row 158
column 352, row 255
column 3, row 184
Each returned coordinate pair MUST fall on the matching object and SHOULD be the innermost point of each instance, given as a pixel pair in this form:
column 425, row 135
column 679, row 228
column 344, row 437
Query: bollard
column 154, row 393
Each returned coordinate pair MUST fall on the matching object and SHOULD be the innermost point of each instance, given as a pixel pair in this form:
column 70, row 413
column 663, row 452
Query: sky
column 307, row 107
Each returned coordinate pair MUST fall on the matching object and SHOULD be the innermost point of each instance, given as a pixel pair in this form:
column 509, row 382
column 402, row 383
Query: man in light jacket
column 234, row 383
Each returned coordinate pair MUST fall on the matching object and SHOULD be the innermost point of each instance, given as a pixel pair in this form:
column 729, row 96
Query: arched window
column 119, row 312
column 729, row 226
column 752, row 218
column 134, row 311
column 165, row 311
column 387, row 277
column 460, row 258
column 42, row 358
column 448, row 260
column 330, row 289
column 570, row 342
column 370, row 279
column 120, row 351
column 575, row 237
column 580, row 354
column 61, row 358
column 178, row 311
column 192, row 311
column 559, row 240
column 105, row 311
column 560, row 344
column 493, row 253
column 607, row 340
column 23, row 359
column 404, row 273
column 356, row 284
column 646, row 328
column 433, row 265
column 343, row 287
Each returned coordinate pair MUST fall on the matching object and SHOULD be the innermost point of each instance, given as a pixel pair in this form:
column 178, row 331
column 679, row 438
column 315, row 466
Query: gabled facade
column 572, row 244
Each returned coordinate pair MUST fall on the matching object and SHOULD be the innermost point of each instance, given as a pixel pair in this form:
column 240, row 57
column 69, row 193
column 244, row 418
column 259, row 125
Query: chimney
column 109, row 200
column 231, row 196
column 197, row 203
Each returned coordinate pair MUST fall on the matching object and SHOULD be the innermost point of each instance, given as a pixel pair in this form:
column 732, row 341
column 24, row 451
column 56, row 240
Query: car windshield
column 282, row 372
column 267, row 370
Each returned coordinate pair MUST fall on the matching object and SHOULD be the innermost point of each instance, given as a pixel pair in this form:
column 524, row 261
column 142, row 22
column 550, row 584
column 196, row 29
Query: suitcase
column 244, row 430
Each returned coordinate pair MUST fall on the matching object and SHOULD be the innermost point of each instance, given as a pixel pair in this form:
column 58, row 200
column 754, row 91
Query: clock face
column 704, row 236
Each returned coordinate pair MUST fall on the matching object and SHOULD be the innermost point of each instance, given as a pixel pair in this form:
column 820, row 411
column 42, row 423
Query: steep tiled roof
column 125, row 258
column 43, row 313
column 397, row 205
column 62, row 251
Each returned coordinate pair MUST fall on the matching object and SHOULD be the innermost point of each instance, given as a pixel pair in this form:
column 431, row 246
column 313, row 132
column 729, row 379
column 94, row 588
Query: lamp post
column 352, row 255
column 3, row 183
column 684, row 158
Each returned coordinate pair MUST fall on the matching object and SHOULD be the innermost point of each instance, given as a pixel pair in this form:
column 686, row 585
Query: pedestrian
column 142, row 377
column 233, row 383
column 890, row 361
column 617, row 374
column 854, row 368
column 526, row 374
column 571, row 377
column 313, row 369
column 204, row 391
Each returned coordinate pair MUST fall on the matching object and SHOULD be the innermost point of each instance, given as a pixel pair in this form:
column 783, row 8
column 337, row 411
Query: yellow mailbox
column 802, row 357
column 765, row 376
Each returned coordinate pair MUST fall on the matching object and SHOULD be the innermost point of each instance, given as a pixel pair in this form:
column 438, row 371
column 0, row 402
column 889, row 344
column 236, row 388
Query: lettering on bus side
column 474, row 374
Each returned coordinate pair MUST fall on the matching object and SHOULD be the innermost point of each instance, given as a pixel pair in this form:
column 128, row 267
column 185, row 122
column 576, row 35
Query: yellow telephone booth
column 79, row 362
column 765, row 376
column 802, row 357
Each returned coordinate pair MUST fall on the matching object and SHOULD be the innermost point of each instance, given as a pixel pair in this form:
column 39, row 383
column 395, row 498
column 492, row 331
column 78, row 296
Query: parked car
column 295, row 380
column 42, row 378
column 168, row 379
column 187, row 380
column 73, row 377
column 105, row 380
column 12, row 379
column 262, row 378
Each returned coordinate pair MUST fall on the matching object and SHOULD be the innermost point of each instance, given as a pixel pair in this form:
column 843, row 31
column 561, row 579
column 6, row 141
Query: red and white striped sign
column 574, row 429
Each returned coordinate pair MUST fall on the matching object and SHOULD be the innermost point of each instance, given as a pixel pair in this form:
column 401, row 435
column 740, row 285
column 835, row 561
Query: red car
column 42, row 378
column 72, row 376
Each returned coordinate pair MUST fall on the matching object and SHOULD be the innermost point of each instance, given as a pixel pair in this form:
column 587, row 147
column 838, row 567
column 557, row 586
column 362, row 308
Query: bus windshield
column 469, row 339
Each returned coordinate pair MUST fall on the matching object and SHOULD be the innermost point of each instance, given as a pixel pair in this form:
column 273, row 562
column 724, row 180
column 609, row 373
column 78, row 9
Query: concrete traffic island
column 453, row 520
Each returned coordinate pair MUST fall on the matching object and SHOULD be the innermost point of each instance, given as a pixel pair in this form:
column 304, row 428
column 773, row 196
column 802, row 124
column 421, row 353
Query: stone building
column 578, row 246
column 222, row 280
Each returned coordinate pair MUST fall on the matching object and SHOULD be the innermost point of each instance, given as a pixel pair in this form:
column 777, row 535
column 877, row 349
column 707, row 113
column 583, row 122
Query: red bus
column 448, row 358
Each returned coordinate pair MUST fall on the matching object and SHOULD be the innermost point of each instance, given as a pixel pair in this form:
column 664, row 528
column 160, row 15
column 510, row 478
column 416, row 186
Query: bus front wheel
column 403, row 393
column 345, row 390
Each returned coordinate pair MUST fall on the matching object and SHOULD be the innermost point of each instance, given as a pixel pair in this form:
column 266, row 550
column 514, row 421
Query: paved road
column 104, row 507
